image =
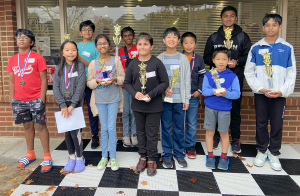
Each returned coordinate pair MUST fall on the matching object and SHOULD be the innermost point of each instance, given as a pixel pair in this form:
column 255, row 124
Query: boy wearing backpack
column 241, row 45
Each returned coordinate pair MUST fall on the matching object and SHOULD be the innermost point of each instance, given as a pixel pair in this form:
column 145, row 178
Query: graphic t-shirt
column 35, row 64
column 132, row 53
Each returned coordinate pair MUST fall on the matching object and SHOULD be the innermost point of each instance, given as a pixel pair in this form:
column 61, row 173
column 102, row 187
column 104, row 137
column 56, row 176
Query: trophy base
column 168, row 99
column 143, row 91
column 144, row 99
column 220, row 90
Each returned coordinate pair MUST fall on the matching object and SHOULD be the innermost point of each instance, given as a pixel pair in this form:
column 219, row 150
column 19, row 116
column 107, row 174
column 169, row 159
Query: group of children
column 109, row 91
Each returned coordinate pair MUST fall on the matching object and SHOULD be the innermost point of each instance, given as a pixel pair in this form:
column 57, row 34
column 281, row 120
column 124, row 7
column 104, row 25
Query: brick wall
column 291, row 128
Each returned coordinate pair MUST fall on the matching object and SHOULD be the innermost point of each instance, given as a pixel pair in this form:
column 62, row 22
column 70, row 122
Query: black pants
column 147, row 125
column 235, row 114
column 265, row 109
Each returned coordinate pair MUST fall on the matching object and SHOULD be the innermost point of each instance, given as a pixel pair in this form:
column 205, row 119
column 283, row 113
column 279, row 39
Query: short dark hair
column 28, row 33
column 145, row 36
column 228, row 8
column 101, row 36
column 173, row 30
column 188, row 34
column 221, row 50
column 126, row 29
column 87, row 23
column 276, row 18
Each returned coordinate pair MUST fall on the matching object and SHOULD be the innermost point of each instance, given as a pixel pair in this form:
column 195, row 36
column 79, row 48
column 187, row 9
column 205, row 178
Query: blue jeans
column 191, row 121
column 127, row 111
column 172, row 112
column 108, row 116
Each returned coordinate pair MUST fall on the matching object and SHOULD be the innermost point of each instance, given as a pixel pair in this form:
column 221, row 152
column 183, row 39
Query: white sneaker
column 114, row 164
column 134, row 140
column 274, row 161
column 126, row 142
column 260, row 159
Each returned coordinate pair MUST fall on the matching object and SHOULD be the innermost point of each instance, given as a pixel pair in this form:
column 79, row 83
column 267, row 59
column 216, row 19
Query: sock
column 210, row 154
column 224, row 155
column 47, row 156
column 30, row 155
column 73, row 157
column 79, row 158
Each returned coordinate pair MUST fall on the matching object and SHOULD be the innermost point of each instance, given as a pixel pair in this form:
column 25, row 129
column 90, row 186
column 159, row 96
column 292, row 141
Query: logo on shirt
column 28, row 70
column 234, row 47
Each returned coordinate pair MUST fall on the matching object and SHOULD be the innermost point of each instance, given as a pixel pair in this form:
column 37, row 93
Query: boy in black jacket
column 197, row 68
column 239, row 52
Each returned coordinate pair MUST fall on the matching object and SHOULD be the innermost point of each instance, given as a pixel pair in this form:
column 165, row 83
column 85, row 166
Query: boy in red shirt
column 127, row 35
column 27, row 88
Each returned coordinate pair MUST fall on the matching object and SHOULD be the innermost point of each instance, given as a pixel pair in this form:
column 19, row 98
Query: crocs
column 25, row 161
column 46, row 163
column 70, row 165
column 80, row 165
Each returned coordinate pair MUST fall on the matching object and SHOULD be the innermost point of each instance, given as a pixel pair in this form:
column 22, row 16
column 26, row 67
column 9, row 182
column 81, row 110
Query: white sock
column 72, row 157
column 80, row 158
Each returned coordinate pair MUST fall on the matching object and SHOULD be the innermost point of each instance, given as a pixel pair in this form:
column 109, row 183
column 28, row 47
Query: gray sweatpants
column 73, row 138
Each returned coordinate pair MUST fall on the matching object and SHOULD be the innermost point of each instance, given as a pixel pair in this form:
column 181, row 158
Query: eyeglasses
column 89, row 30
column 23, row 37
column 100, row 44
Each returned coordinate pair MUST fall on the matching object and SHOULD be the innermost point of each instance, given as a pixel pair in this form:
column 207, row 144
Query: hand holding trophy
column 173, row 82
column 268, row 69
column 143, row 79
column 215, row 76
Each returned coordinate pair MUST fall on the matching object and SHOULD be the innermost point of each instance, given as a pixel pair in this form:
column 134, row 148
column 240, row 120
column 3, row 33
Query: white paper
column 75, row 121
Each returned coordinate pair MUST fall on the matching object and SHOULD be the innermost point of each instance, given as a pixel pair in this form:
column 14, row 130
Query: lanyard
column 23, row 71
column 67, row 80
column 193, row 61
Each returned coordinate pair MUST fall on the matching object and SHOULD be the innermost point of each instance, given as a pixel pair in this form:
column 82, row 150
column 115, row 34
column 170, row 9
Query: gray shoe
column 134, row 141
column 167, row 163
column 210, row 162
column 181, row 161
column 274, row 161
column 260, row 159
column 126, row 142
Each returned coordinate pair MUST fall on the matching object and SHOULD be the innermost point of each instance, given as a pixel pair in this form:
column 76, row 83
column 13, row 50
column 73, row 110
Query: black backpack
column 240, row 38
column 128, row 60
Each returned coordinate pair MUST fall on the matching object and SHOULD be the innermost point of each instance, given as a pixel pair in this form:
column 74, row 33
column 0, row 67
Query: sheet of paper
column 75, row 121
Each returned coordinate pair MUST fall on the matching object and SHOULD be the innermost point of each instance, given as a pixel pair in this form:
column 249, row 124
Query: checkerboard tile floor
column 239, row 179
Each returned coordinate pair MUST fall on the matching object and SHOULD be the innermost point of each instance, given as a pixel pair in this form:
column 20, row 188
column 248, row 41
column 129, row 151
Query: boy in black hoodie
column 239, row 51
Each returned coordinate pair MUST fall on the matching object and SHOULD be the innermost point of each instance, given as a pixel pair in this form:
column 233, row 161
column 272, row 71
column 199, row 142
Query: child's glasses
column 100, row 44
column 89, row 30
column 23, row 37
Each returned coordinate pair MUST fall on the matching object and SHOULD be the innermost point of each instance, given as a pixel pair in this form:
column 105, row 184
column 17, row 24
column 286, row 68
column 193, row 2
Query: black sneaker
column 181, row 161
column 167, row 163
column 95, row 142
column 191, row 152
column 236, row 146
column 216, row 143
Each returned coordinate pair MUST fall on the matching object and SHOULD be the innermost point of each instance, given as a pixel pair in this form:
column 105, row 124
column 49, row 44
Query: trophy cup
column 103, row 69
column 173, row 82
column 228, row 43
column 143, row 78
column 215, row 76
column 117, row 38
column 268, row 69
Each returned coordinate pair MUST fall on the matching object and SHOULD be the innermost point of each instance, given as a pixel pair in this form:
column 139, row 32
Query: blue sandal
column 25, row 161
column 46, row 163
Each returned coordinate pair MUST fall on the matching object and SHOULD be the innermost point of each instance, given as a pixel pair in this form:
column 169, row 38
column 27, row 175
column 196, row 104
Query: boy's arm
column 201, row 73
column 187, row 81
column 80, row 86
column 128, row 81
column 235, row 92
column 11, row 85
column 44, row 85
column 85, row 62
column 207, row 90
column 242, row 58
column 249, row 72
column 288, row 87
column 209, row 48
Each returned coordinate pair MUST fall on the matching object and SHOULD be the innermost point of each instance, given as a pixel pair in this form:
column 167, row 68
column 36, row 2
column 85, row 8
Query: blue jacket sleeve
column 234, row 92
column 207, row 90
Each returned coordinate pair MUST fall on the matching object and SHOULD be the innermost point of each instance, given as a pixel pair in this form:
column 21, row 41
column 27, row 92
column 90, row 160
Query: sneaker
column 95, row 142
column 151, row 168
column 80, row 165
column 134, row 141
column 274, row 161
column 140, row 167
column 210, row 162
column 191, row 152
column 126, row 142
column 102, row 164
column 167, row 163
column 223, row 163
column 181, row 161
column 114, row 164
column 70, row 165
column 260, row 159
column 216, row 143
column 236, row 146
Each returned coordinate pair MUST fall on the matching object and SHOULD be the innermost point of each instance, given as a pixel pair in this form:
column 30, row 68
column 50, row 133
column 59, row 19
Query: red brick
column 290, row 118
column 289, row 139
column 6, row 134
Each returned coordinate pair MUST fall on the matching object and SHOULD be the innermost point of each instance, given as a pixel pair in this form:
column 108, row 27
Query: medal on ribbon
column 67, row 80
column 22, row 71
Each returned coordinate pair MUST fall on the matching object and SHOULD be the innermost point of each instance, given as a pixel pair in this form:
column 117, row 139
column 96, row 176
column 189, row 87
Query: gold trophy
column 117, row 38
column 173, row 82
column 103, row 69
column 268, row 68
column 143, row 78
column 228, row 43
column 215, row 76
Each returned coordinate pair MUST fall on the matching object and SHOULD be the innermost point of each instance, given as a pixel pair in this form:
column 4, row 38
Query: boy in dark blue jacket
column 197, row 68
column 220, row 86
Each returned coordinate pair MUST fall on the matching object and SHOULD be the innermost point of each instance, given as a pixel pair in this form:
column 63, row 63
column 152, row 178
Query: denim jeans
column 108, row 116
column 127, row 111
column 191, row 121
